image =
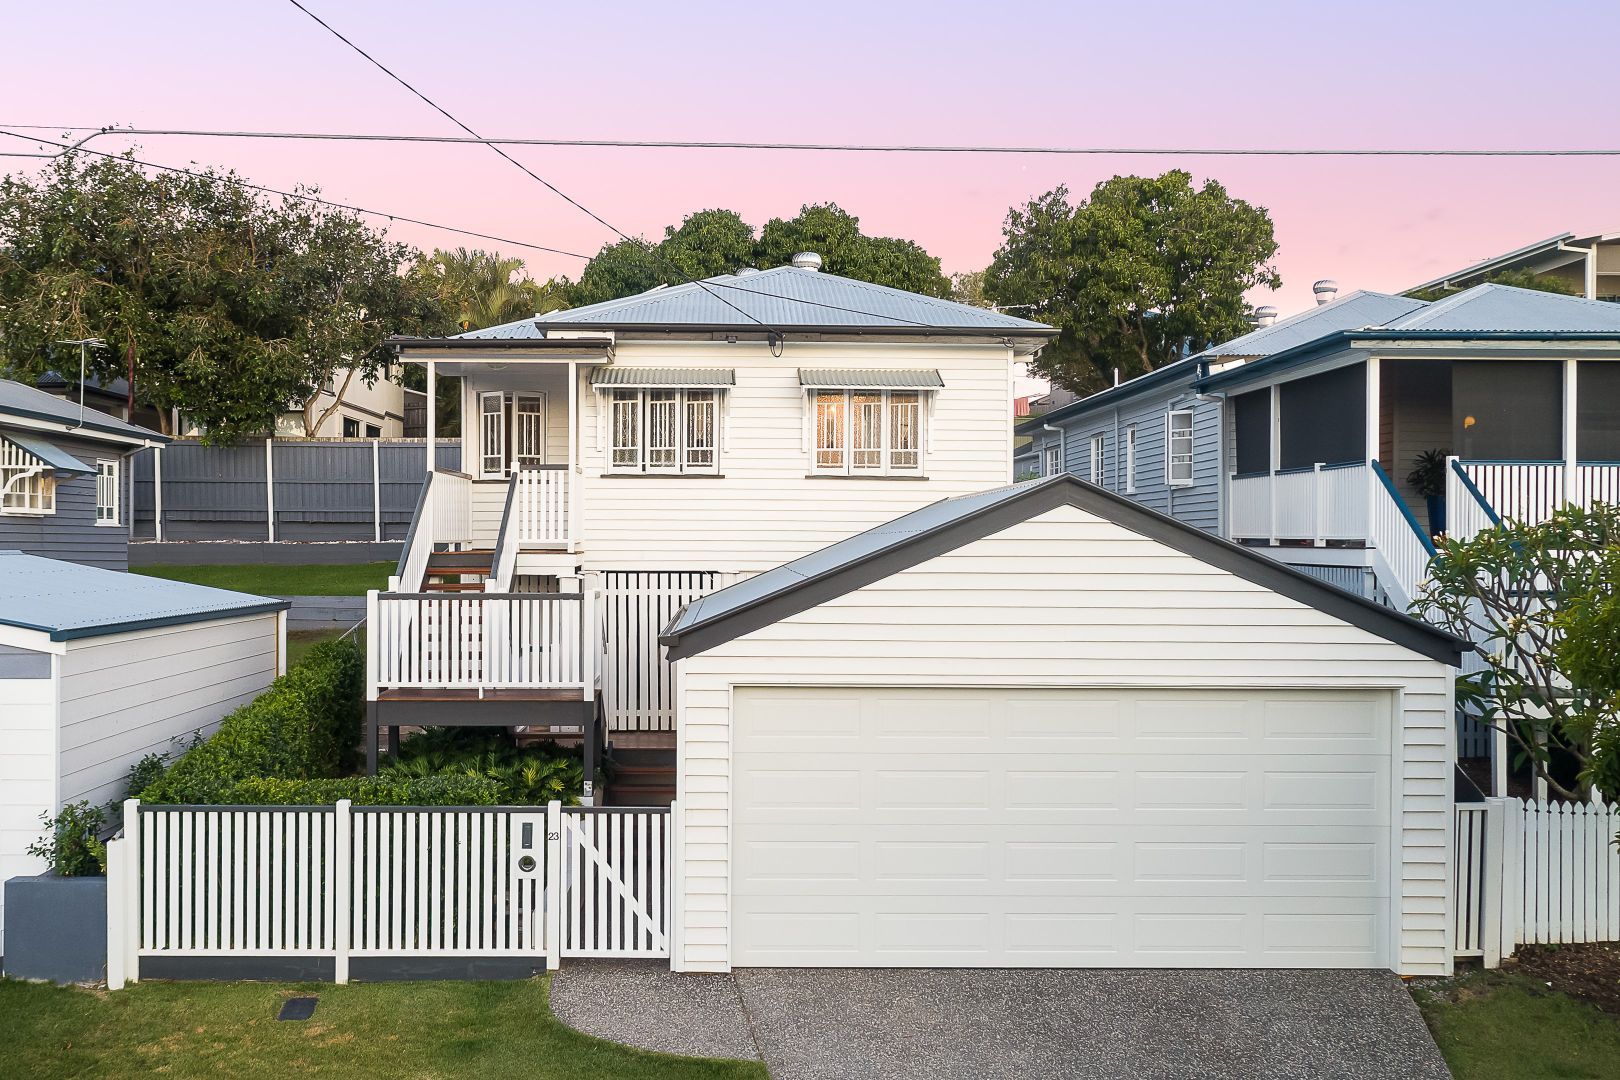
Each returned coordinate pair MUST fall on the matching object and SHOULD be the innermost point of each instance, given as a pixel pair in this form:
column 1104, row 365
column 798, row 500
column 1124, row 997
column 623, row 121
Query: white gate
column 616, row 881
column 384, row 888
column 637, row 688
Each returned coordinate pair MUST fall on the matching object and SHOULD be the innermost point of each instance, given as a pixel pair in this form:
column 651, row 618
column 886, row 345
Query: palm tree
column 485, row 289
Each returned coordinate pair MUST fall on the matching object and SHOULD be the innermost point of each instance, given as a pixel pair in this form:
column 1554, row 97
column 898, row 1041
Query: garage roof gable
column 943, row 526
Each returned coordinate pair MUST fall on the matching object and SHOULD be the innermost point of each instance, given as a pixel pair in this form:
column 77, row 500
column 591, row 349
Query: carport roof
column 951, row 523
column 65, row 600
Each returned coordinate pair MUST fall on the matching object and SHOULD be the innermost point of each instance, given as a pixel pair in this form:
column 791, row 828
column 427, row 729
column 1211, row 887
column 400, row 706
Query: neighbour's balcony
column 1480, row 494
column 1315, row 505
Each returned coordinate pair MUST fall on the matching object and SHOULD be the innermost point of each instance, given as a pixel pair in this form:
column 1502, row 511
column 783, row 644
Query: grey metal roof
column 1500, row 262
column 872, row 378
column 785, row 297
column 1497, row 308
column 55, row 458
column 1349, row 312
column 662, row 376
column 948, row 524
column 16, row 399
column 523, row 329
column 67, row 601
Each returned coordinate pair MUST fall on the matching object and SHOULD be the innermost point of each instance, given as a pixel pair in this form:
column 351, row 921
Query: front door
column 512, row 432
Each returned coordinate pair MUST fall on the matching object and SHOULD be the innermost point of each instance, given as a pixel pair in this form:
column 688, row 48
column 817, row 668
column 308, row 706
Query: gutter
column 1589, row 276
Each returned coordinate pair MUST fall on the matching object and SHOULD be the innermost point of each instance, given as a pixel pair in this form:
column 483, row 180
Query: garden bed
column 1589, row 973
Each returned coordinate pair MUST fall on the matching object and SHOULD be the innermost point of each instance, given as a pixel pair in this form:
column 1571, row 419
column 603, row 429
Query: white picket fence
column 638, row 689
column 1534, row 873
column 347, row 882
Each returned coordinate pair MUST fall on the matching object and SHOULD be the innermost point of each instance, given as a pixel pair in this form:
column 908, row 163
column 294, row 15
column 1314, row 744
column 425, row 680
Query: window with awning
column 29, row 469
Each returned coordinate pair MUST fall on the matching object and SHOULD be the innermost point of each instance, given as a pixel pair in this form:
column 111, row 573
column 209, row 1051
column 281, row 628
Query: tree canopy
column 482, row 289
column 1137, row 275
column 712, row 242
column 1519, row 279
column 227, row 306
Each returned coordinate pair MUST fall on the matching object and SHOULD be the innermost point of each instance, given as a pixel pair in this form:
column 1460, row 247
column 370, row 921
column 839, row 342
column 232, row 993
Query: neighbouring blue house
column 1299, row 438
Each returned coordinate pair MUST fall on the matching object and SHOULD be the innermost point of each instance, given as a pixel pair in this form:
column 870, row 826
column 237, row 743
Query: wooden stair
column 458, row 571
column 643, row 776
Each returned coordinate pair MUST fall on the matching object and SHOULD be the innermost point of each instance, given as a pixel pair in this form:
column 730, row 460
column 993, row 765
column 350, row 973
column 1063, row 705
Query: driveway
column 863, row 1024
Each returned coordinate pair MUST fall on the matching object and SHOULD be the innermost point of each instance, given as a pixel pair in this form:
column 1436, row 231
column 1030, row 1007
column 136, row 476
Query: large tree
column 227, row 306
column 713, row 242
column 482, row 289
column 1135, row 276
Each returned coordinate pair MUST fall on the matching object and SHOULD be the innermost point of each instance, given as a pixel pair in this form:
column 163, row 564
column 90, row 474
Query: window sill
column 903, row 477
column 661, row 476
column 108, row 524
column 12, row 512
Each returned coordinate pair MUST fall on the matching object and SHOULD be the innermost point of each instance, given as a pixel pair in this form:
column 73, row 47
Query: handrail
column 1400, row 503
column 1473, row 489
column 503, row 563
column 479, row 596
column 416, row 521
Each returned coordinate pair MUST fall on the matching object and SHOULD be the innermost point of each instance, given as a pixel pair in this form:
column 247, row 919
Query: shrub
column 453, row 790
column 531, row 776
column 71, row 846
column 305, row 726
column 143, row 774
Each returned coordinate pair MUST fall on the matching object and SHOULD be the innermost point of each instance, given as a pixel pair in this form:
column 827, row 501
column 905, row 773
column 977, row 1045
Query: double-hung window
column 1051, row 464
column 25, row 486
column 664, row 431
column 1178, row 447
column 1130, row 460
column 868, row 432
column 106, row 493
column 1099, row 470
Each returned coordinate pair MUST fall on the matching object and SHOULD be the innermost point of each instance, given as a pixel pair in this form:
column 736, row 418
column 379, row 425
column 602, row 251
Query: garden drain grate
column 299, row 1008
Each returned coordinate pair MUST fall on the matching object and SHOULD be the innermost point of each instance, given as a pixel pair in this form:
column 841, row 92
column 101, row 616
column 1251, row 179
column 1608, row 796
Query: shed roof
column 783, row 298
column 68, row 601
column 950, row 523
column 20, row 400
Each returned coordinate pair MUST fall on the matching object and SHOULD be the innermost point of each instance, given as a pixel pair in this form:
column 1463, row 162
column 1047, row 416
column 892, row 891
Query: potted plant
column 1428, row 476
column 56, row 922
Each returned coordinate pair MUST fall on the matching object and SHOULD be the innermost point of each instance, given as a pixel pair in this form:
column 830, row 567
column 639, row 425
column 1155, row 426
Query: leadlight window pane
column 662, row 430
column 626, row 429
column 866, row 428
column 905, row 430
column 700, row 427
column 830, row 429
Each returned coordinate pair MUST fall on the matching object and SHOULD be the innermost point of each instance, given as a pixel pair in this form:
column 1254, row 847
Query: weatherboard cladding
column 946, row 525
column 871, row 378
column 71, row 532
column 662, row 377
column 69, row 601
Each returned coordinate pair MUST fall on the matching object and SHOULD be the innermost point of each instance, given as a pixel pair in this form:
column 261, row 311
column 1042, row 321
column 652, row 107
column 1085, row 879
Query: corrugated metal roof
column 872, row 378
column 1349, row 312
column 523, row 329
column 828, row 559
column 783, row 298
column 66, row 600
column 1505, row 308
column 20, row 400
column 54, row 457
column 662, row 376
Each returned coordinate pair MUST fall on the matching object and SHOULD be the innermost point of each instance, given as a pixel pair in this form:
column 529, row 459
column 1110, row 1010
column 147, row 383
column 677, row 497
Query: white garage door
column 1061, row 828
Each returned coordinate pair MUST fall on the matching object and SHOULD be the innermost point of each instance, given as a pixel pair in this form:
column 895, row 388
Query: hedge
column 306, row 726
column 454, row 790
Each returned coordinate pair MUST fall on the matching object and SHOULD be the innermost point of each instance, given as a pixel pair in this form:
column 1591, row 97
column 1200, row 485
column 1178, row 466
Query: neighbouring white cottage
column 100, row 668
column 1045, row 726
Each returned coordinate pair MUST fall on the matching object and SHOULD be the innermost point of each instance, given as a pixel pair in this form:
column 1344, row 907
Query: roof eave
column 902, row 329
column 89, row 429
column 1114, row 394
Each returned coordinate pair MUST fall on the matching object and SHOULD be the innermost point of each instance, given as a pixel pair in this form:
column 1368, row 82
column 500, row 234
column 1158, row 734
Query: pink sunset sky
column 1283, row 75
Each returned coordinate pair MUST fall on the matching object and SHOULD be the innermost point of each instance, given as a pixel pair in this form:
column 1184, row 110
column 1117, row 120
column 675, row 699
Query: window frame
column 1051, row 460
column 111, row 471
column 685, row 451
column 855, row 431
column 1099, row 459
column 1130, row 459
column 1189, row 458
column 38, row 483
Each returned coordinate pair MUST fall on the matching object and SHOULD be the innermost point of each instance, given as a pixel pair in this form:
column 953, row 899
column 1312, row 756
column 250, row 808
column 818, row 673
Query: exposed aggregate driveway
column 865, row 1024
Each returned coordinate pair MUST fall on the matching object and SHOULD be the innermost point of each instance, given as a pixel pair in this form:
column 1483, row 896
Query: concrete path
column 866, row 1024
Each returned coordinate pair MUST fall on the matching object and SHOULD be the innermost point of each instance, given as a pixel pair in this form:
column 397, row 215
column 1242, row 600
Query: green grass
column 392, row 1031
column 1492, row 1026
column 352, row 579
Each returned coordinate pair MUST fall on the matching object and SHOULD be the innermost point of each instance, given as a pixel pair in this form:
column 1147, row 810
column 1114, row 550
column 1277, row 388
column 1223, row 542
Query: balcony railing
column 540, row 507
column 1527, row 491
column 1322, row 503
column 482, row 641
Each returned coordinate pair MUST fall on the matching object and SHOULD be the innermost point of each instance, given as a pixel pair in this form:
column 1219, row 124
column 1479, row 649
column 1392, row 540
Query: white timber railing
column 1534, row 873
column 452, row 507
column 1467, row 512
column 482, row 641
column 541, row 509
column 250, row 886
column 1597, row 483
column 1318, row 504
column 638, row 684
column 1530, row 491
column 1401, row 549
column 443, row 516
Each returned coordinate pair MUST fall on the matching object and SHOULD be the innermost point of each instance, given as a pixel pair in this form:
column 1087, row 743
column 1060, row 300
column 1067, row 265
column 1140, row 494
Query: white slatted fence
column 637, row 683
column 616, row 874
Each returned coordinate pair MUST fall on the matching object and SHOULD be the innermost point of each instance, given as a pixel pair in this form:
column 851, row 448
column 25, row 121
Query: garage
column 1044, row 726
column 938, row 827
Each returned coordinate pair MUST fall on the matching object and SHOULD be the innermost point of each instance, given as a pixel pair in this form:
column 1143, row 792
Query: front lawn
column 1506, row 1025
column 351, row 579
column 383, row 1030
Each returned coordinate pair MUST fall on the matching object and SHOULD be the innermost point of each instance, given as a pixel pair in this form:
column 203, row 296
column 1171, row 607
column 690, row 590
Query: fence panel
column 637, row 683
column 616, row 864
column 1469, row 878
column 1571, row 891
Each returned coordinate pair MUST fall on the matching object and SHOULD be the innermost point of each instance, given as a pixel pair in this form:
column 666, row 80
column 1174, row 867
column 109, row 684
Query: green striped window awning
column 870, row 378
column 663, row 377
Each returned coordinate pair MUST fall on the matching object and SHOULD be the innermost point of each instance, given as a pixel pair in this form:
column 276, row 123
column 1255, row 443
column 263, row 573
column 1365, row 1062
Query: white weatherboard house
column 100, row 668
column 1044, row 726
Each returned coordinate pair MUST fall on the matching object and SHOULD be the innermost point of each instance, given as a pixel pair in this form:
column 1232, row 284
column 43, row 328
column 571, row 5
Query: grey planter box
column 56, row 928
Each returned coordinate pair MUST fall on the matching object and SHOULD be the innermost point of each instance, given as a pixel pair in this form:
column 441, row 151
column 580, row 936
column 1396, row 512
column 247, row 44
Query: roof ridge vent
column 807, row 260
column 1326, row 290
column 1264, row 315
column 747, row 271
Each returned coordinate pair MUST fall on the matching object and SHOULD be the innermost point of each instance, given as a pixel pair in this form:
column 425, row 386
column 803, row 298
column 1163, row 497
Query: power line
column 436, row 107
column 300, row 196
column 851, row 148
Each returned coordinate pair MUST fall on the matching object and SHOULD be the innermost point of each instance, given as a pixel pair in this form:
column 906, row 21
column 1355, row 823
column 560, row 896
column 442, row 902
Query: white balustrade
column 479, row 641
column 540, row 510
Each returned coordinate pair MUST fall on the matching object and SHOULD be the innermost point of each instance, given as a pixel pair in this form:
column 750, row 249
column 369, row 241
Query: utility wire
column 300, row 196
column 436, row 107
column 851, row 148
